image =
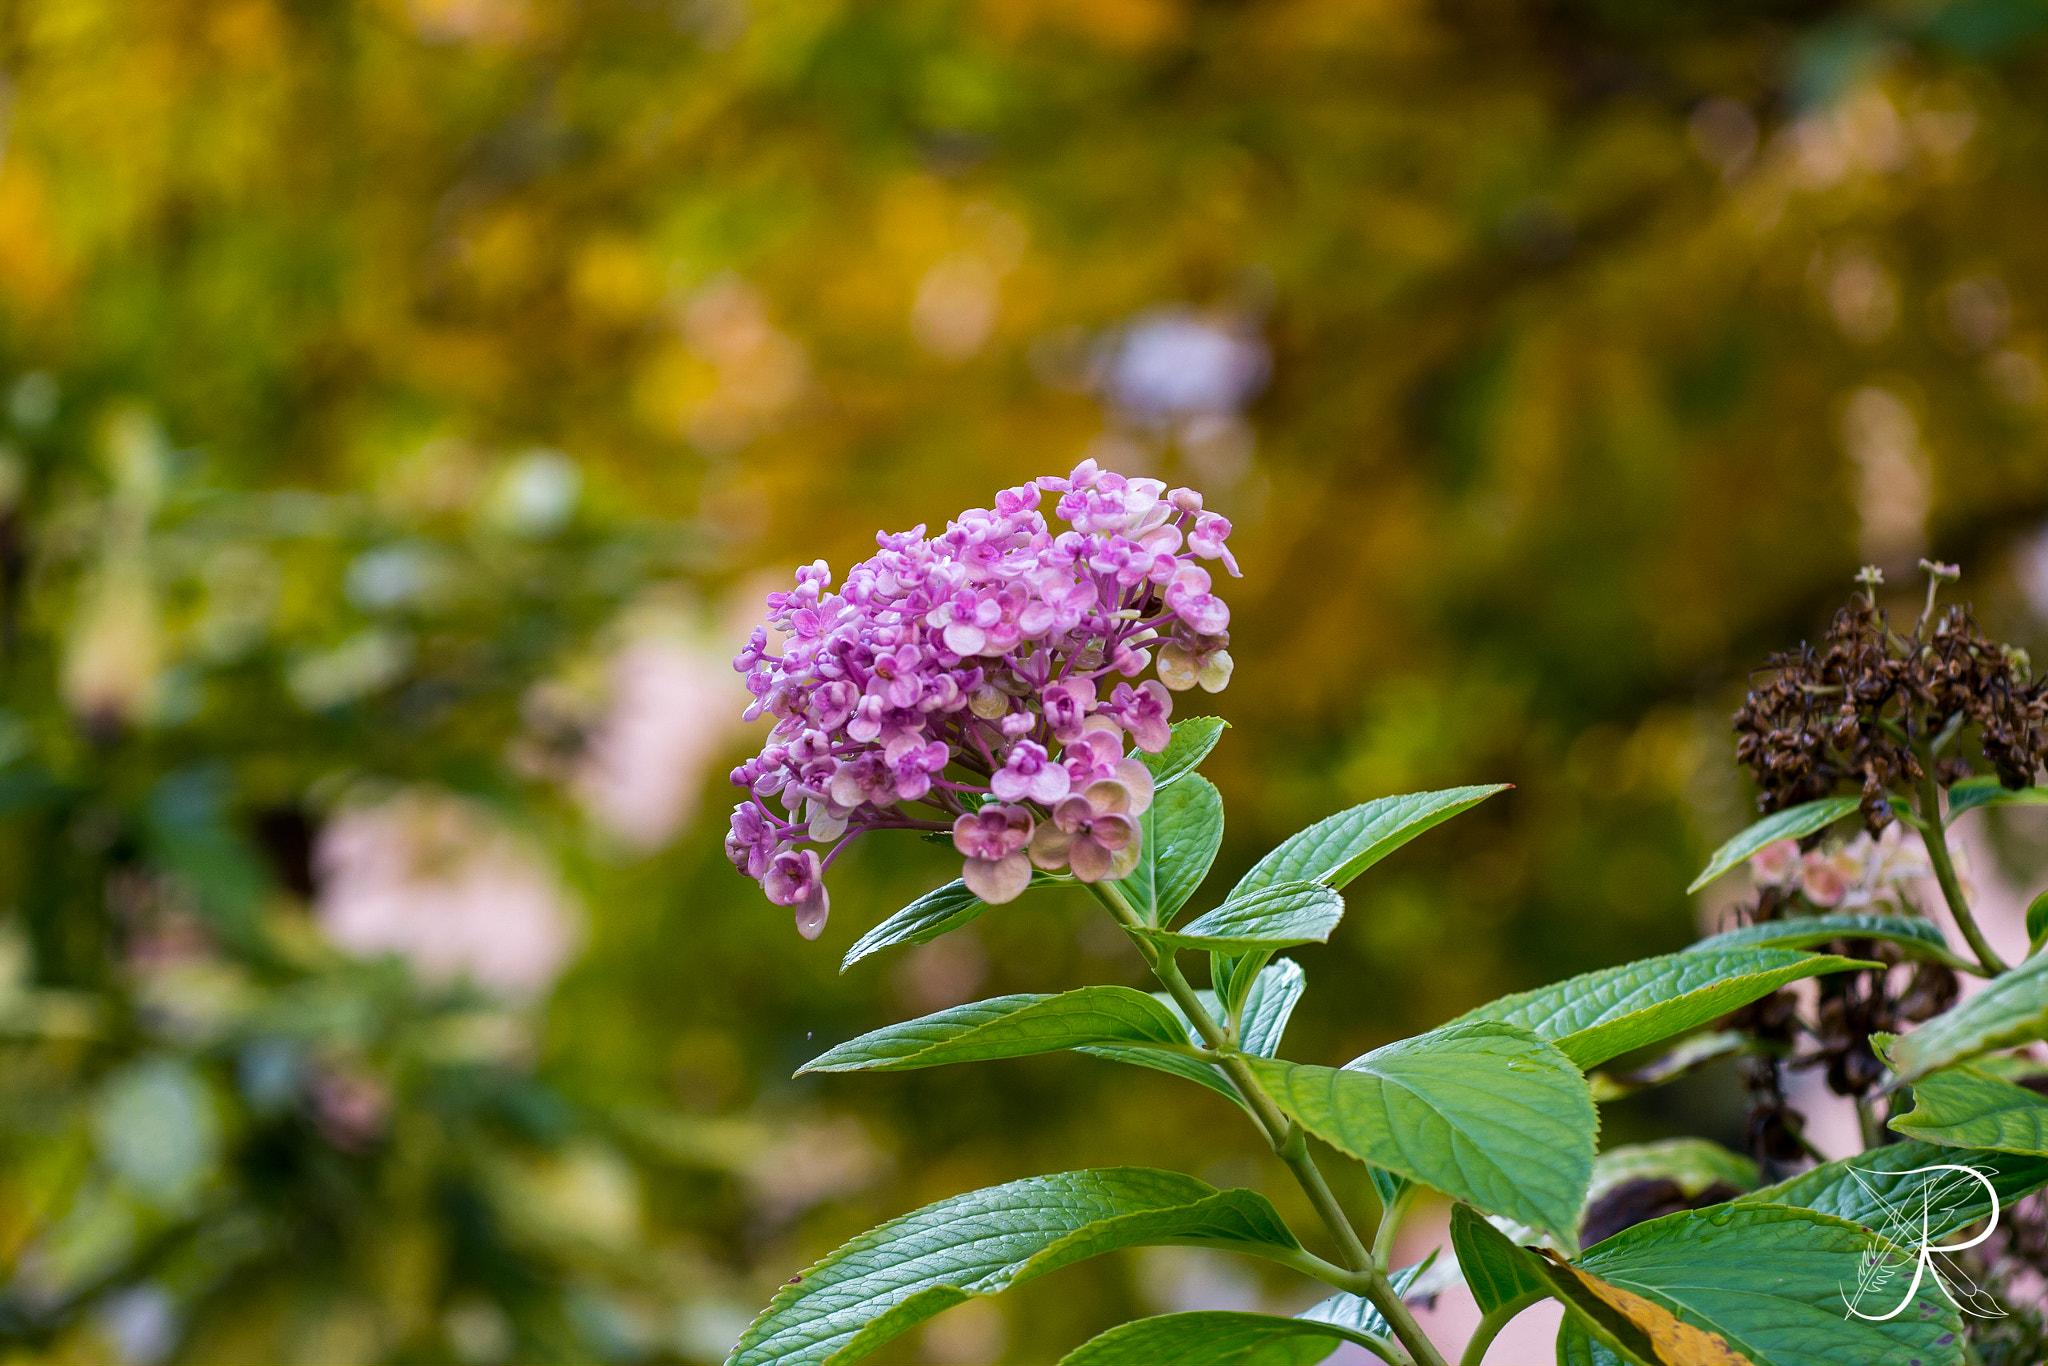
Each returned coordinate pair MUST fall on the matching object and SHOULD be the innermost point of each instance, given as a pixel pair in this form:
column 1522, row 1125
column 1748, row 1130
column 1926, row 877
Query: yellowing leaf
column 1677, row 1342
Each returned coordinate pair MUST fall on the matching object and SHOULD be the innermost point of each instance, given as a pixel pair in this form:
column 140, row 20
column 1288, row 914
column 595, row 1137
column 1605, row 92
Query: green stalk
column 1490, row 1326
column 1289, row 1142
column 1933, row 834
column 1870, row 1124
column 1390, row 1224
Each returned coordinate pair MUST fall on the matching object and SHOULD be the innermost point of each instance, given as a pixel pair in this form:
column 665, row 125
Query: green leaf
column 1965, row 1107
column 1686, row 1056
column 1268, row 1005
column 1275, row 917
column 1214, row 1337
column 1770, row 1280
column 1484, row 1112
column 1790, row 824
column 1693, row 1164
column 1604, row 1014
column 1008, row 1027
column 1192, row 740
column 1919, row 938
column 2013, row 1009
column 2016, row 1067
column 2037, row 923
column 1174, row 1064
column 1183, row 828
column 1231, row 977
column 1986, row 790
column 1870, row 1187
column 928, row 917
column 894, row 1277
column 1338, row 848
column 1498, row 1271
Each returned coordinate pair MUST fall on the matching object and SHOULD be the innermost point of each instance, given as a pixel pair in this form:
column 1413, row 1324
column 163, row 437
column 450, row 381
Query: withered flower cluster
column 1871, row 705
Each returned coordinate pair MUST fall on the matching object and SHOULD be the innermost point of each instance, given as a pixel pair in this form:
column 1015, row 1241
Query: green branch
column 1390, row 1224
column 1363, row 1275
column 1490, row 1326
column 1933, row 834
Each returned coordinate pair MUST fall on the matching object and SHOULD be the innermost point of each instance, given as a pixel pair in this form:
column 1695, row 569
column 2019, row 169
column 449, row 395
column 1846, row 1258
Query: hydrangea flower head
column 985, row 682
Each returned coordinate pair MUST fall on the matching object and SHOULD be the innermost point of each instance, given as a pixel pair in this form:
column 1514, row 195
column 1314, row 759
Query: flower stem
column 1288, row 1140
column 1934, row 834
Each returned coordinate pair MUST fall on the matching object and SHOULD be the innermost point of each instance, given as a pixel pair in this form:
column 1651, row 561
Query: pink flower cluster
column 1862, row 872
column 983, row 682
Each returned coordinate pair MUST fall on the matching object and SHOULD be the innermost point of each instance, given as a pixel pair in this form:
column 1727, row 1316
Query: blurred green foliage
column 377, row 376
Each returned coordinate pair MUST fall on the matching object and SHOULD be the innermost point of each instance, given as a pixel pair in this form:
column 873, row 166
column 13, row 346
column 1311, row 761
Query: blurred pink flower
column 672, row 708
column 1859, row 872
column 1776, row 864
column 1822, row 881
column 441, row 883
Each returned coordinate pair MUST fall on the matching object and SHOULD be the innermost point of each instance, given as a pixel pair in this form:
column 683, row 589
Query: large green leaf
column 1871, row 1187
column 1790, row 824
column 1966, row 1107
column 2012, row 1009
column 892, row 1278
column 1604, row 1014
column 1192, row 740
column 1183, row 828
column 1275, row 917
column 1340, row 847
column 1214, row 1337
column 1496, row 1269
column 1008, row 1027
column 1771, row 1279
column 1485, row 1112
column 1919, row 938
column 1986, row 790
column 925, row 919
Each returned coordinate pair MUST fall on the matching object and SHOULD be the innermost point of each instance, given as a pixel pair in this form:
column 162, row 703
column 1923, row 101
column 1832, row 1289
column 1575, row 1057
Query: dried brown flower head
column 1874, row 707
